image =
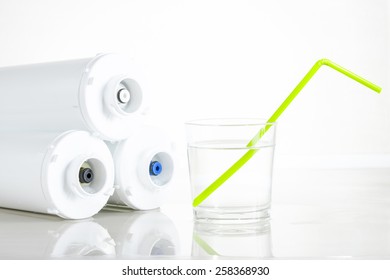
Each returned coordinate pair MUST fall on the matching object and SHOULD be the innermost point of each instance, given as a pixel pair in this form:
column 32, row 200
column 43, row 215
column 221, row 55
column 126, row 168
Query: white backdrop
column 231, row 58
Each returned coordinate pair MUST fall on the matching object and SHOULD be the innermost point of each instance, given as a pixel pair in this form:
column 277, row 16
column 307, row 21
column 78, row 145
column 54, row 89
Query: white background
column 231, row 59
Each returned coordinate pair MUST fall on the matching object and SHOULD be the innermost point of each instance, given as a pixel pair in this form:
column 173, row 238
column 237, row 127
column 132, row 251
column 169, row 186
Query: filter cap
column 70, row 155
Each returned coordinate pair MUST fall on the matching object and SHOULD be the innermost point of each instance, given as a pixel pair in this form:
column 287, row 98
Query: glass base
column 229, row 215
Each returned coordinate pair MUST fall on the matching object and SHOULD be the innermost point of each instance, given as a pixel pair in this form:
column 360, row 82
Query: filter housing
column 137, row 185
column 41, row 173
column 103, row 95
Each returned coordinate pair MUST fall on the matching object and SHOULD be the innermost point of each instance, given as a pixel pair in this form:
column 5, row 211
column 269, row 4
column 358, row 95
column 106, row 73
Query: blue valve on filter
column 155, row 168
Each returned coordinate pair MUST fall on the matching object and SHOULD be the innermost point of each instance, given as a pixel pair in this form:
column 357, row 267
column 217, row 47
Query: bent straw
column 248, row 155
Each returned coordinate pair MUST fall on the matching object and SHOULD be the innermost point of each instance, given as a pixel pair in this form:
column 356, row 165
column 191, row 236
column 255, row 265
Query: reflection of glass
column 35, row 236
column 232, row 240
column 139, row 233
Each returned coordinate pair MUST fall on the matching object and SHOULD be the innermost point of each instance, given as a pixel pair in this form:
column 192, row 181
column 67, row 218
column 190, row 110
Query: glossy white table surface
column 316, row 214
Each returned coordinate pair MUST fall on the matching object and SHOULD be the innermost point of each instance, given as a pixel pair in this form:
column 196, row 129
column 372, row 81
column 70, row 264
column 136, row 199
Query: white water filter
column 68, row 174
column 103, row 95
column 144, row 167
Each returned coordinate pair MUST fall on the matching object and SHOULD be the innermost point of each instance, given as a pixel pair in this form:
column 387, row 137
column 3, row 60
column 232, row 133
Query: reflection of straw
column 206, row 247
column 248, row 155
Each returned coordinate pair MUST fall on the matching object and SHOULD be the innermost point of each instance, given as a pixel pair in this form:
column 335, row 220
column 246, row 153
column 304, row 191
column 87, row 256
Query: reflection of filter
column 143, row 169
column 99, row 94
column 70, row 175
column 48, row 237
column 218, row 240
column 141, row 233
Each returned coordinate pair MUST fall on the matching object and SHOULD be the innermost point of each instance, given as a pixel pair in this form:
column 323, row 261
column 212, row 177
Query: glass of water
column 213, row 146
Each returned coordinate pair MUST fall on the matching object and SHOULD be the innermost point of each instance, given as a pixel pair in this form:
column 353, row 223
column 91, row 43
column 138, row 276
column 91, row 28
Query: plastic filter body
column 101, row 94
column 40, row 173
column 144, row 167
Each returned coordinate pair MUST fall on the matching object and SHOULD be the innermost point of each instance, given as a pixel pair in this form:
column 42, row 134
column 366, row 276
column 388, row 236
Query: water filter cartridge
column 69, row 174
column 102, row 94
column 144, row 168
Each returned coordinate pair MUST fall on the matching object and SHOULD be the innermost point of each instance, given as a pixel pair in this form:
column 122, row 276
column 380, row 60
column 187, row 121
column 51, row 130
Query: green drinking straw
column 249, row 154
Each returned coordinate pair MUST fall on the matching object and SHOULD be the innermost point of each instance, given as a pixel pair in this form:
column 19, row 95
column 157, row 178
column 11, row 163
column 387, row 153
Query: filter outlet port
column 161, row 169
column 123, row 96
column 85, row 175
column 88, row 176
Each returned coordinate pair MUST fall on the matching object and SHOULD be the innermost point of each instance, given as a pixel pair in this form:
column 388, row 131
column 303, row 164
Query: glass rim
column 229, row 122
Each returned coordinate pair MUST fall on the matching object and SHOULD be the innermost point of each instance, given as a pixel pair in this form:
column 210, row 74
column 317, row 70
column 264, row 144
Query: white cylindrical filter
column 101, row 94
column 69, row 174
column 26, row 235
column 140, row 234
column 144, row 167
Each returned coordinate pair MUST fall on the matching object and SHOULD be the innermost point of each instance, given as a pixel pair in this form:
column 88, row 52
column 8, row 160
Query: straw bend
column 348, row 73
column 249, row 154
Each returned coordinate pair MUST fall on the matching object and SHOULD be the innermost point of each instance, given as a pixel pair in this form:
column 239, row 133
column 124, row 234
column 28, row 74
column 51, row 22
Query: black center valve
column 85, row 175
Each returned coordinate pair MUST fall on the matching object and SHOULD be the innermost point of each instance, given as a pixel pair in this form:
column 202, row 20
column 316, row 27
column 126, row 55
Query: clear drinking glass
column 213, row 146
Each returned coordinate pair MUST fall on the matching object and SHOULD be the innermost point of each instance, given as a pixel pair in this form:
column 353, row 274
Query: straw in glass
column 249, row 154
